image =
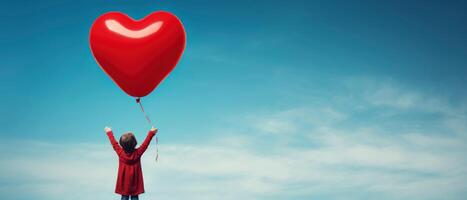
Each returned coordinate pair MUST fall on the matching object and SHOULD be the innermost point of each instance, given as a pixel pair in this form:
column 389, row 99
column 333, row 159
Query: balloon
column 137, row 54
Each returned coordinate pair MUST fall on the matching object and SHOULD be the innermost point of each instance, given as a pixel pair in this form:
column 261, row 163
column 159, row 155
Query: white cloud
column 338, row 158
column 292, row 120
column 412, row 166
column 387, row 92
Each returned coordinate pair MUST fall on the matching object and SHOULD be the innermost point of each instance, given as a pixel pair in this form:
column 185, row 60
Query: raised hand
column 154, row 129
column 107, row 129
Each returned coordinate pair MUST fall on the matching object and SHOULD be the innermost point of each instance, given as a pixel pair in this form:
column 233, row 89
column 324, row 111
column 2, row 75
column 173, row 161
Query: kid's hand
column 107, row 129
column 154, row 129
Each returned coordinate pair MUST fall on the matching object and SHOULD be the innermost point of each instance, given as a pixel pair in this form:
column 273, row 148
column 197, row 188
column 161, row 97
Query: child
column 130, row 175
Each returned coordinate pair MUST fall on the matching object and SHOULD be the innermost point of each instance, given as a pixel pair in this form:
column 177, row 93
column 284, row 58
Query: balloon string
column 157, row 149
column 138, row 101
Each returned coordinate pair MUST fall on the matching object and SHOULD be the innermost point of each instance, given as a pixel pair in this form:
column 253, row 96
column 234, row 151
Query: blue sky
column 276, row 100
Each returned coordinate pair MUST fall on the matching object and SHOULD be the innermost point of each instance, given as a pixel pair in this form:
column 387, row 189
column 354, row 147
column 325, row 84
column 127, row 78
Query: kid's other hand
column 107, row 129
column 154, row 129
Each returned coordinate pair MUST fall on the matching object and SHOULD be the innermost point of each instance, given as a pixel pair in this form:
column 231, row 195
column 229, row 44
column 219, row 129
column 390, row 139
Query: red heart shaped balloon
column 137, row 55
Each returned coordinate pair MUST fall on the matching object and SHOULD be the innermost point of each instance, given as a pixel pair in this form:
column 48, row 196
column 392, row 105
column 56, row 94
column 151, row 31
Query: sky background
column 271, row 100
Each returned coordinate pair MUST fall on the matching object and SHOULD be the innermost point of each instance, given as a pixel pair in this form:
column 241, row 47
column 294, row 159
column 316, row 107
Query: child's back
column 130, row 175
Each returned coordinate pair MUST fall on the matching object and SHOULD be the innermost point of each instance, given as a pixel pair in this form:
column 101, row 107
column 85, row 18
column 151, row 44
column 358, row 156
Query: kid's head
column 128, row 142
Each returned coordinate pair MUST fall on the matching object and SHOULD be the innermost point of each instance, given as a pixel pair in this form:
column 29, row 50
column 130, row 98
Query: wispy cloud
column 409, row 167
column 387, row 92
column 338, row 157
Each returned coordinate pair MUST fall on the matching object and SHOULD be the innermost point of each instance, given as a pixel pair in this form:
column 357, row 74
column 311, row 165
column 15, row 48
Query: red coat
column 130, row 175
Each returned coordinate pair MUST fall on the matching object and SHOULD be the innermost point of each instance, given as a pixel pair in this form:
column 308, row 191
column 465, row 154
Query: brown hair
column 128, row 142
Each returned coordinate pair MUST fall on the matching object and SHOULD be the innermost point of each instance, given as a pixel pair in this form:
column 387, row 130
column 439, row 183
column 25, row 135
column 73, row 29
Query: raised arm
column 113, row 142
column 146, row 142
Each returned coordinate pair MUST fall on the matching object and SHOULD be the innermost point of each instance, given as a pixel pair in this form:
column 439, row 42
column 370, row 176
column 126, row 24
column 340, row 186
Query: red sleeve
column 114, row 143
column 146, row 142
